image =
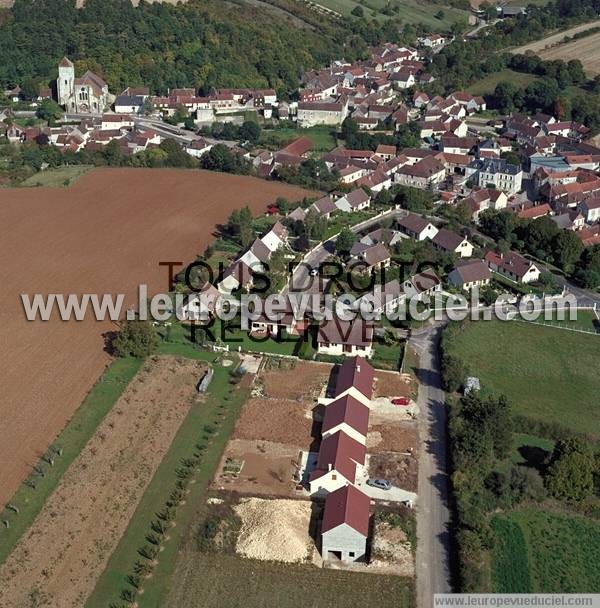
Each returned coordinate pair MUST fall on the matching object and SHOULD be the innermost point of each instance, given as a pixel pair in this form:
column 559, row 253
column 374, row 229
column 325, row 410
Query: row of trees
column 543, row 239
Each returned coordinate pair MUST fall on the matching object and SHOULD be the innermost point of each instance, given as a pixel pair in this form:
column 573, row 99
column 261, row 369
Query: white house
column 345, row 526
column 340, row 462
column 199, row 306
column 450, row 242
column 469, row 274
column 417, row 227
column 513, row 266
column 347, row 338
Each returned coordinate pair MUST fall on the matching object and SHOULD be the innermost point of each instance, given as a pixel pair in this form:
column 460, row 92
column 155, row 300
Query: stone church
column 80, row 95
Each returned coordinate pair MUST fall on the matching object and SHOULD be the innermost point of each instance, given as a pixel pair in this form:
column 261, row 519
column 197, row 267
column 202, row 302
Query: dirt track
column 68, row 546
column 104, row 234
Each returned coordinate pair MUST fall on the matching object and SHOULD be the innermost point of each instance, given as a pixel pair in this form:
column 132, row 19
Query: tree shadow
column 534, row 457
column 109, row 338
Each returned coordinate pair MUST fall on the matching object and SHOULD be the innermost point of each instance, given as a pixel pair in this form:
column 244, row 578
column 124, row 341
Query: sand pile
column 274, row 529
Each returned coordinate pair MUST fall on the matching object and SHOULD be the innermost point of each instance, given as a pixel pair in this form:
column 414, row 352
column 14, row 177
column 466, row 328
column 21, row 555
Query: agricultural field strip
column 557, row 38
column 70, row 542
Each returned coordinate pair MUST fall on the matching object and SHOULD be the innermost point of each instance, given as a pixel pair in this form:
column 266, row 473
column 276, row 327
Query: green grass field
column 112, row 581
column 55, row 178
column 487, row 85
column 410, row 11
column 548, row 374
column 217, row 580
column 323, row 137
column 538, row 551
column 73, row 438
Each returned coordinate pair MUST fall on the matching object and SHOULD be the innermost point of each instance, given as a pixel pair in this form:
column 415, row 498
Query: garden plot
column 257, row 467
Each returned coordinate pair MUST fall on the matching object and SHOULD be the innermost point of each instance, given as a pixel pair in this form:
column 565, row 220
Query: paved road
column 301, row 279
column 433, row 516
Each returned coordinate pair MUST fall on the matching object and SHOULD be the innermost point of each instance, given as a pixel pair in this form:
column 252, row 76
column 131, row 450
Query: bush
column 135, row 339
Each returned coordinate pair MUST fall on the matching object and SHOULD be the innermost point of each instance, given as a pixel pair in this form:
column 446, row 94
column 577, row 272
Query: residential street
column 301, row 280
column 433, row 516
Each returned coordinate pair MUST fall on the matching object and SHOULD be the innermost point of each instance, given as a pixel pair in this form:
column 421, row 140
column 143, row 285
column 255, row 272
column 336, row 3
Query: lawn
column 73, row 438
column 219, row 411
column 539, row 551
column 547, row 374
column 54, row 178
column 216, row 580
column 487, row 85
column 323, row 137
column 420, row 12
column 179, row 335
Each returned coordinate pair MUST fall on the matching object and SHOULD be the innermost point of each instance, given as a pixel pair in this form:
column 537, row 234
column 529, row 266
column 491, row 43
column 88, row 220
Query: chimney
column 329, row 466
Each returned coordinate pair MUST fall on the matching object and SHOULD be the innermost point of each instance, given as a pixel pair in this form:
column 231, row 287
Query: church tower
column 65, row 84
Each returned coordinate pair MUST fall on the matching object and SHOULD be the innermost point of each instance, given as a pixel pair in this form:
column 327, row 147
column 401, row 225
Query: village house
column 129, row 104
column 345, row 526
column 324, row 207
column 450, row 242
column 311, row 113
column 340, row 462
column 348, row 338
column 432, row 41
column 346, row 414
column 469, row 274
column 424, row 174
column 200, row 306
column 198, row 147
column 497, row 172
column 513, row 266
column 591, row 209
column 423, row 285
column 417, row 227
column 357, row 200
column 374, row 258
column 487, row 198
column 355, row 378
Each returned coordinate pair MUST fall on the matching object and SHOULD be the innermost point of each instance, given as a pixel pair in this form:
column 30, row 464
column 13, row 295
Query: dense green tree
column 345, row 241
column 135, row 339
column 49, row 110
column 570, row 475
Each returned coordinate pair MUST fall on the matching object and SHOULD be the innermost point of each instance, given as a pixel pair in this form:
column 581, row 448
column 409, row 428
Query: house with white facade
column 513, row 266
column 347, row 338
column 417, row 227
column 340, row 462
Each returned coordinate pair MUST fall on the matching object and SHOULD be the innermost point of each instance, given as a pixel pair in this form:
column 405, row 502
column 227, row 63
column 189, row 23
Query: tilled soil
column 68, row 546
column 105, row 234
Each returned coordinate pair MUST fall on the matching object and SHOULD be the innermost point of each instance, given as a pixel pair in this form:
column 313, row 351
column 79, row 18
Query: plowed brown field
column 104, row 234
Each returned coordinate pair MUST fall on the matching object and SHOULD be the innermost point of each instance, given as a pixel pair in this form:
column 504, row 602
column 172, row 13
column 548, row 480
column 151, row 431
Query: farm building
column 345, row 527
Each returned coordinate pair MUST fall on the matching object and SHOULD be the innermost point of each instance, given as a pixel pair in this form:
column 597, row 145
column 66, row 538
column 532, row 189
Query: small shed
column 345, row 525
column 205, row 380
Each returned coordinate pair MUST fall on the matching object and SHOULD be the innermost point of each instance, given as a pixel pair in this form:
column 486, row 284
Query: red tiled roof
column 347, row 410
column 357, row 373
column 339, row 452
column 347, row 505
